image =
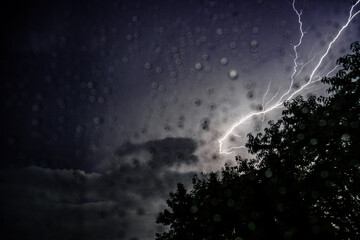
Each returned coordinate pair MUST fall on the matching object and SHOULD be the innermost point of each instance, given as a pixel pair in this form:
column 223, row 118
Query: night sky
column 106, row 105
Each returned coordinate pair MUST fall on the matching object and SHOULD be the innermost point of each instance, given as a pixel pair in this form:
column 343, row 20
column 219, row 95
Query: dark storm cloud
column 164, row 153
column 120, row 203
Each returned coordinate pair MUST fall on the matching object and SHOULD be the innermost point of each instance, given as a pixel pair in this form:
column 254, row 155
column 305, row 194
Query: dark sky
column 106, row 105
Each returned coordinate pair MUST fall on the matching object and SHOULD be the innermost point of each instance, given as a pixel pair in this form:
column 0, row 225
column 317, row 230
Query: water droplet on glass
column 253, row 43
column 197, row 102
column 255, row 30
column 233, row 74
column 154, row 85
column 198, row 66
column 223, row 61
column 147, row 66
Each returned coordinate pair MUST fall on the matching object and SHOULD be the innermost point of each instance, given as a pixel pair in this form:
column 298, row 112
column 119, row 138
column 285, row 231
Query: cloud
column 119, row 203
column 164, row 153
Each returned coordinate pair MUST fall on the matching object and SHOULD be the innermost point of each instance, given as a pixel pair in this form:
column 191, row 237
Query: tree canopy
column 303, row 183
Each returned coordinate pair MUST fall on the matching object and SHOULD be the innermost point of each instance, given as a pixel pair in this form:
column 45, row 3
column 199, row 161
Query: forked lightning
column 288, row 95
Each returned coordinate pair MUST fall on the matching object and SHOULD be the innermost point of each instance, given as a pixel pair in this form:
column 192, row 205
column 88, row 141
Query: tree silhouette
column 304, row 182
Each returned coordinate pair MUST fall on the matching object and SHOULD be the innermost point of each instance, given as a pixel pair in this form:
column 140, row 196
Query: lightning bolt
column 263, row 101
column 292, row 78
column 295, row 50
column 304, row 65
column 287, row 96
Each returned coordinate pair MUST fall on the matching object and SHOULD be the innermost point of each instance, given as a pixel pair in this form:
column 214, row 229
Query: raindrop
column 173, row 74
column 287, row 34
column 134, row 18
column 167, row 127
column 296, row 85
column 79, row 130
column 233, row 74
column 154, row 85
column 255, row 30
column 98, row 120
column 158, row 50
column 193, row 209
column 101, row 100
column 205, row 124
column 158, row 70
column 250, row 95
column 212, row 106
column 313, row 141
column 197, row 102
column 210, row 90
column 107, row 90
column 162, row 88
column 173, row 99
column 253, row 43
column 217, row 218
column 205, row 57
column 173, row 80
column 90, row 85
column 281, row 51
column 223, row 61
column 245, row 68
column 283, row 24
column 36, row 108
column 128, row 37
column 180, row 125
column 125, row 59
column 161, row 30
column 147, row 66
column 345, row 137
column 198, row 66
column 143, row 131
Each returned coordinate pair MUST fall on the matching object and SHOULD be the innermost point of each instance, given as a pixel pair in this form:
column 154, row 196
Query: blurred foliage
column 304, row 182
